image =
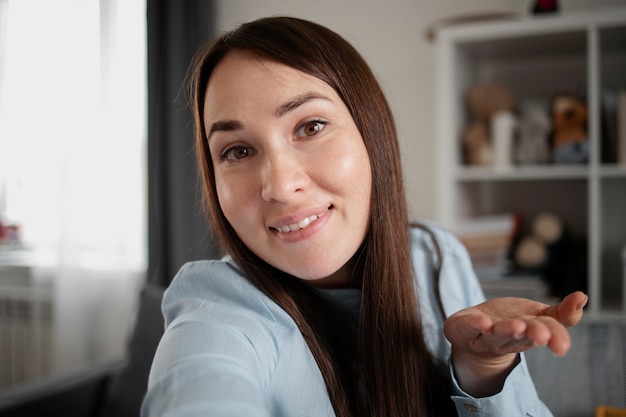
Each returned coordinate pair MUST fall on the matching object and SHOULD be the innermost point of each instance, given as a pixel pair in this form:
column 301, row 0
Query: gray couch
column 107, row 390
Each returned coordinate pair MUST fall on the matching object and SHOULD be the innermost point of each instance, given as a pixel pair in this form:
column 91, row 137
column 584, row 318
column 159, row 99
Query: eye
column 311, row 128
column 236, row 153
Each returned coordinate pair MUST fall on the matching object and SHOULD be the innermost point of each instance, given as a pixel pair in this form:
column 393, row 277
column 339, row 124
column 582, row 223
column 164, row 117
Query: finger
column 506, row 336
column 546, row 331
column 519, row 335
column 559, row 341
column 538, row 332
column 570, row 310
column 510, row 328
column 517, row 346
column 464, row 328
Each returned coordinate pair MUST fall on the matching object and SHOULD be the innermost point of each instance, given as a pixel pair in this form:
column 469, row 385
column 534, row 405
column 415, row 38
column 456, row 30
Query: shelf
column 530, row 46
column 613, row 171
column 536, row 59
column 523, row 173
column 537, row 173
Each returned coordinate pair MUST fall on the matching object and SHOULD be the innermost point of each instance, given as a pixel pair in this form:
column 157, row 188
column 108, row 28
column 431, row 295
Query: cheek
column 234, row 198
column 352, row 166
column 362, row 183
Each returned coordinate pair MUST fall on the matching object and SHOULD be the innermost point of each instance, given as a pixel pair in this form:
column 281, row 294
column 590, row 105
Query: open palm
column 507, row 325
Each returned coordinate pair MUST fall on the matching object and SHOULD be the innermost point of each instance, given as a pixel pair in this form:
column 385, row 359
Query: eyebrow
column 224, row 126
column 298, row 101
column 291, row 105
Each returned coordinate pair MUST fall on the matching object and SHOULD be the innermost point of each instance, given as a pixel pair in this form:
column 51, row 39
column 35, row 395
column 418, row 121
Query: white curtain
column 72, row 171
column 72, row 130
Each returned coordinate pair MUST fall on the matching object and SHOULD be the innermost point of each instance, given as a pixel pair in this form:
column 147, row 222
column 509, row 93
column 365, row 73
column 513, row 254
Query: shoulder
column 229, row 347
column 216, row 320
column 219, row 289
column 427, row 235
column 209, row 279
column 434, row 246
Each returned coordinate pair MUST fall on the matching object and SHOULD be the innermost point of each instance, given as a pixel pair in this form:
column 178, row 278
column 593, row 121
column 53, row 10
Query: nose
column 282, row 178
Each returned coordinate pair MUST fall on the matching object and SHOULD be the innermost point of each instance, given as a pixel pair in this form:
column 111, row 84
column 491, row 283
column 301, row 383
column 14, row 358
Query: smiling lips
column 293, row 227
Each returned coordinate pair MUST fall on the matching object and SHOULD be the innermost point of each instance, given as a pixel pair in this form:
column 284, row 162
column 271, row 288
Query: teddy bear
column 569, row 140
column 483, row 101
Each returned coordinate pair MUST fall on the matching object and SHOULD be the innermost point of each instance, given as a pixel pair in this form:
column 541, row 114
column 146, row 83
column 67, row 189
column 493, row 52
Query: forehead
column 243, row 80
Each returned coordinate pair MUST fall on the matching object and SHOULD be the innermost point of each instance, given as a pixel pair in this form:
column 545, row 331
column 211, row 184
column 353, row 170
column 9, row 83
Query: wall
column 391, row 37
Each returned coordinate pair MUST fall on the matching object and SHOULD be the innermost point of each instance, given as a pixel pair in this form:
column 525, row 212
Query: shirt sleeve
column 207, row 363
column 210, row 383
column 460, row 289
column 517, row 398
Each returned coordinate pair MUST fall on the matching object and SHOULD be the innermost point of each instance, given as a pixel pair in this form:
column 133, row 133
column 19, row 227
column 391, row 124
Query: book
column 621, row 129
column 488, row 240
column 523, row 286
column 609, row 128
column 487, row 225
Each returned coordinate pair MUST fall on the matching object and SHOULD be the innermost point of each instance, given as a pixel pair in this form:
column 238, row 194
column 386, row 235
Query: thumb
column 570, row 310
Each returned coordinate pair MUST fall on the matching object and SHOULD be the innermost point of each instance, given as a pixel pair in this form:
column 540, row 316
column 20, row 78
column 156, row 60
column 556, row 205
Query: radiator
column 26, row 320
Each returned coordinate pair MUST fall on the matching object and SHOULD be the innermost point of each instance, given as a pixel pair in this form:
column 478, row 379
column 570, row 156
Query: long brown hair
column 399, row 376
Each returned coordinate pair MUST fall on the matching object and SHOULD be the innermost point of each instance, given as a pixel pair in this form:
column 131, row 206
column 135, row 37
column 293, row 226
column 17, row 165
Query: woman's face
column 292, row 173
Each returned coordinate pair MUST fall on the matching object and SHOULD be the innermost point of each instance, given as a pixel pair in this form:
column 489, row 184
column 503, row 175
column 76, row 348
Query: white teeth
column 304, row 223
column 297, row 226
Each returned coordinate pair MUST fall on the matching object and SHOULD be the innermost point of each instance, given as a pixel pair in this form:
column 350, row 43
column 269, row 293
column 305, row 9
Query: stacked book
column 489, row 241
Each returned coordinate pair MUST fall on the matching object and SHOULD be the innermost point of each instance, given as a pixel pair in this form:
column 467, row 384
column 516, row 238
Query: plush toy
column 533, row 133
column 551, row 250
column 569, row 129
column 476, row 144
column 483, row 101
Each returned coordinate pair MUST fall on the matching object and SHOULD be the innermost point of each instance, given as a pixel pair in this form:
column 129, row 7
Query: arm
column 192, row 378
column 208, row 360
column 513, row 391
column 487, row 338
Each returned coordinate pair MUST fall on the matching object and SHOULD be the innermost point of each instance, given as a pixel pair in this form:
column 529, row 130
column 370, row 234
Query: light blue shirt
column 229, row 350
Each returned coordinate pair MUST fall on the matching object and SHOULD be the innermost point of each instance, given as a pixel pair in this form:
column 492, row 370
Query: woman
column 328, row 301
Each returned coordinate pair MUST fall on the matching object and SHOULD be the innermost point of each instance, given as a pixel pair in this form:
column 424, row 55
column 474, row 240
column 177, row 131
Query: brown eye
column 236, row 153
column 311, row 128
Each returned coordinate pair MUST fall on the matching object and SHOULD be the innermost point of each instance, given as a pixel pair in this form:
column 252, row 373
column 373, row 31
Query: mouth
column 302, row 224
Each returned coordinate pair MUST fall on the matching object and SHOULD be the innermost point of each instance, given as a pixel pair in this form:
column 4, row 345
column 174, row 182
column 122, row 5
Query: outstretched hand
column 487, row 338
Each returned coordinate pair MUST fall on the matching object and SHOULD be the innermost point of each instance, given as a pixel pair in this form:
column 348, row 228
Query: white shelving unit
column 537, row 57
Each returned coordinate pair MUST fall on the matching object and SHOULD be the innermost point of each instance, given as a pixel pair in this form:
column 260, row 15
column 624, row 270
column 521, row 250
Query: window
column 72, row 129
column 72, row 150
